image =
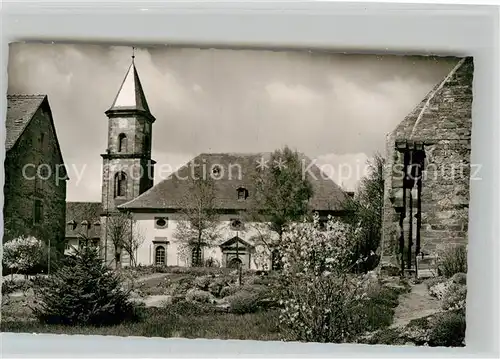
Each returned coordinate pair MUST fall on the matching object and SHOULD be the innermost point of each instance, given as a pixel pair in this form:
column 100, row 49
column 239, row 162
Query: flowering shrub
column 439, row 289
column 23, row 253
column 320, row 301
column 196, row 295
column 454, row 297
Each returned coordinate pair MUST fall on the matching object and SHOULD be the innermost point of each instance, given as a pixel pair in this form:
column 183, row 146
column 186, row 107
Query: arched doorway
column 235, row 263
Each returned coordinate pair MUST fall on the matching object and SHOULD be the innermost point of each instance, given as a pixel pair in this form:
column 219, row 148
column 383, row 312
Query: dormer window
column 71, row 225
column 97, row 224
column 122, row 142
column 85, row 224
column 242, row 193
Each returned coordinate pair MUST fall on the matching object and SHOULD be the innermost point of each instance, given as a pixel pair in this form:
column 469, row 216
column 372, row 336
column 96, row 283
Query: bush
column 228, row 291
column 379, row 308
column 453, row 260
column 449, row 330
column 321, row 301
column 438, row 290
column 215, row 287
column 244, row 302
column 203, row 282
column 459, row 278
column 23, row 254
column 11, row 286
column 84, row 291
column 454, row 297
column 190, row 308
column 196, row 295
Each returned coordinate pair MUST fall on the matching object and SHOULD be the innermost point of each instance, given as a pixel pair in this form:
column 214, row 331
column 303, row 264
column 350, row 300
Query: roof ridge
column 434, row 91
column 25, row 95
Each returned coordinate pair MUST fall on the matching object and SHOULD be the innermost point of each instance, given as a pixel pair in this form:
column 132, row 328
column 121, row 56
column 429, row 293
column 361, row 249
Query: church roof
column 20, row 110
column 171, row 192
column 445, row 112
column 131, row 95
column 80, row 214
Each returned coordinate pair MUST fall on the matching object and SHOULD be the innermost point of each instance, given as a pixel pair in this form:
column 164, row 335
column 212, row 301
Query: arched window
column 120, row 184
column 122, row 142
column 160, row 255
column 242, row 193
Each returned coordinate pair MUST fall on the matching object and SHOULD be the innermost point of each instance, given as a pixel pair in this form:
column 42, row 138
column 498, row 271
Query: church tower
column 127, row 164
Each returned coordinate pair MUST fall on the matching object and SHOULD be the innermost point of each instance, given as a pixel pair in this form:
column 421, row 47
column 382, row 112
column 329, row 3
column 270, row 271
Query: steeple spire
column 131, row 95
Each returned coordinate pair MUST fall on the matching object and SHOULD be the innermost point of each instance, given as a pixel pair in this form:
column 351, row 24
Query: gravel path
column 416, row 304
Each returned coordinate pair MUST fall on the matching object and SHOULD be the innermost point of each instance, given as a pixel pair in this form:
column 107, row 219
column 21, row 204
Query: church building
column 158, row 211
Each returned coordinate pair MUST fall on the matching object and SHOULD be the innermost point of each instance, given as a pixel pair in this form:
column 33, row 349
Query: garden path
column 151, row 277
column 416, row 304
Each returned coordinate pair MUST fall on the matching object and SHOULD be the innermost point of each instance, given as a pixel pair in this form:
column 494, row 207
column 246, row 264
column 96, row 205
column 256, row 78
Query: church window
column 160, row 255
column 216, row 170
column 236, row 224
column 161, row 222
column 120, row 184
column 242, row 193
column 122, row 142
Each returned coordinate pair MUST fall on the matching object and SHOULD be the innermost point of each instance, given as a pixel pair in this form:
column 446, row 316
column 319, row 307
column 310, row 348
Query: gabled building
column 35, row 175
column 426, row 200
column 127, row 187
column 83, row 223
column 160, row 209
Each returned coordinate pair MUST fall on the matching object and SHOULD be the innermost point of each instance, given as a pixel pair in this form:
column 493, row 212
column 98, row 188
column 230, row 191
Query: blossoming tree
column 22, row 254
column 321, row 299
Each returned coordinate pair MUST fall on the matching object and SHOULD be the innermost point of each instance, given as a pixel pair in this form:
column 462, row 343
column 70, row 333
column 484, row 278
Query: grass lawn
column 174, row 321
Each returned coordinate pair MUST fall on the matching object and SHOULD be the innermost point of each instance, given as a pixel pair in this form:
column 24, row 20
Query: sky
column 336, row 108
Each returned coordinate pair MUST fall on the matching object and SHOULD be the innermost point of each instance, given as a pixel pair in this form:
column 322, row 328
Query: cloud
column 346, row 170
column 208, row 100
column 295, row 95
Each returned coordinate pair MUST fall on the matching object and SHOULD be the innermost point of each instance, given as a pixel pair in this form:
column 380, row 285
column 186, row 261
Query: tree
column 132, row 241
column 282, row 194
column 366, row 209
column 22, row 254
column 125, row 235
column 321, row 301
column 83, row 291
column 198, row 224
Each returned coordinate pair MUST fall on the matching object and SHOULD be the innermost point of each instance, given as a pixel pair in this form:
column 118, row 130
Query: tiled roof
column 431, row 118
column 20, row 111
column 172, row 191
column 79, row 214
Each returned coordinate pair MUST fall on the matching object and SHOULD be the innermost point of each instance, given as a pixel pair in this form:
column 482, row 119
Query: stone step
column 426, row 273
